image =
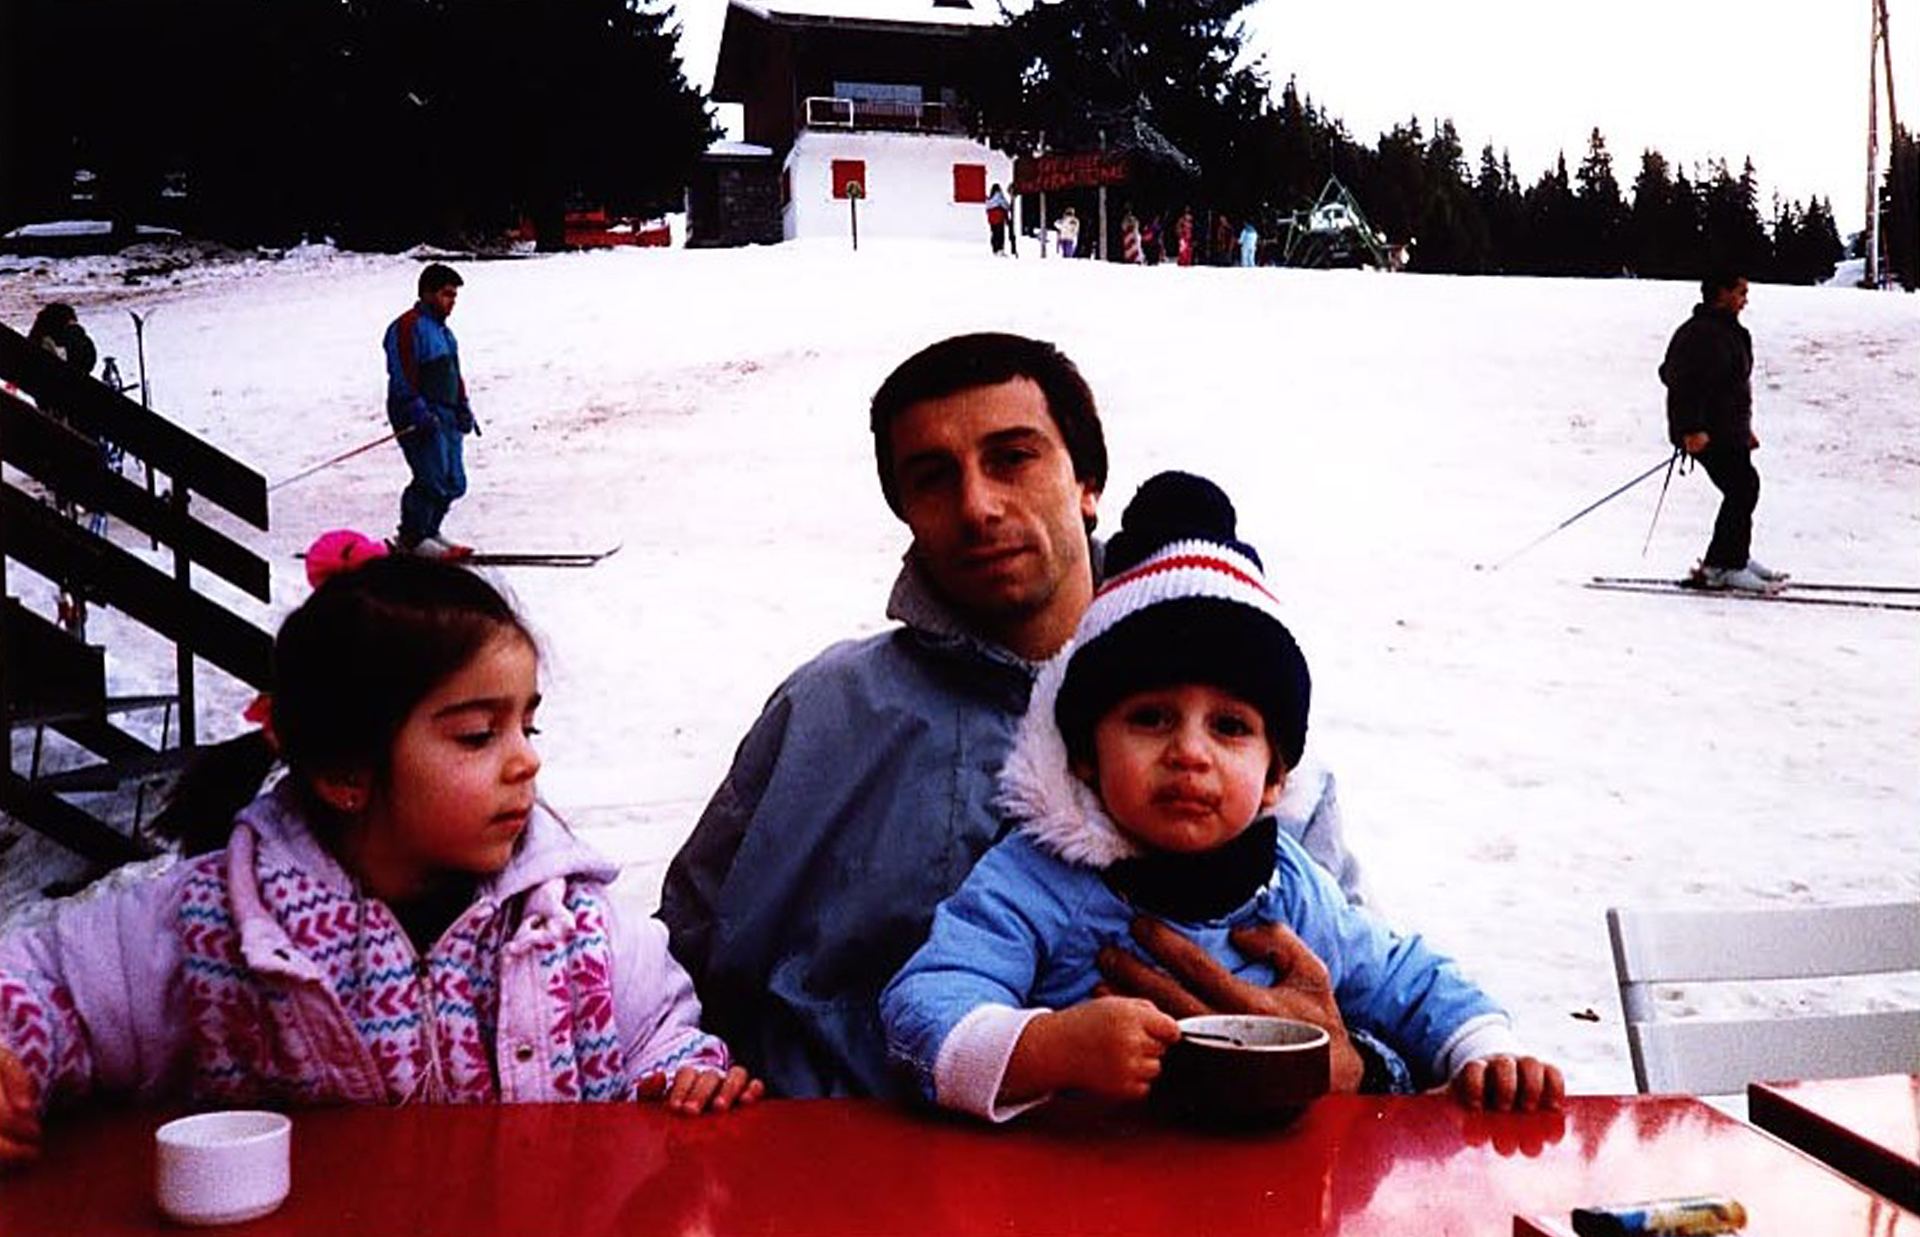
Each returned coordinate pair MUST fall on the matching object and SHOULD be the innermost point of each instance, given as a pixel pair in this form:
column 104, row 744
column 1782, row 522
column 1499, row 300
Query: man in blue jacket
column 859, row 799
column 427, row 407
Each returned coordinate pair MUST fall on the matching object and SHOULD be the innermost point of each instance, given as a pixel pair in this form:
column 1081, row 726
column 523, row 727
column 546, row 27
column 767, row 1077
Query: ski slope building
column 844, row 100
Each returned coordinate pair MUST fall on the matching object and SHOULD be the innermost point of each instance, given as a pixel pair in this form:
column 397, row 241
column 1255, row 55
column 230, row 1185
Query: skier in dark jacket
column 1708, row 374
column 427, row 406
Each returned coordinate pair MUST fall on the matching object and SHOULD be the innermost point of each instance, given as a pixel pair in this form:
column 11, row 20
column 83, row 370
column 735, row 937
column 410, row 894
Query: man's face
column 1733, row 299
column 999, row 520
column 442, row 299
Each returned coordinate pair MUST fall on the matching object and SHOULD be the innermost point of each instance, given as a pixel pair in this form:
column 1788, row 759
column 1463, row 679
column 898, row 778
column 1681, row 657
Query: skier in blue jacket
column 1143, row 779
column 427, row 407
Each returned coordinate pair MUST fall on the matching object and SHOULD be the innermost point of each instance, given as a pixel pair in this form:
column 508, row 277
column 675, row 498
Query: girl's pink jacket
column 261, row 973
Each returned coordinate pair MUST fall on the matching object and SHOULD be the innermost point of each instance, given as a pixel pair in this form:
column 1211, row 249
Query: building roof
column 906, row 12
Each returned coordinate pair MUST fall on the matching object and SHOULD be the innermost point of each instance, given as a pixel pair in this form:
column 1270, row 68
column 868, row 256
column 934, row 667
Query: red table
column 1357, row 1167
column 1868, row 1128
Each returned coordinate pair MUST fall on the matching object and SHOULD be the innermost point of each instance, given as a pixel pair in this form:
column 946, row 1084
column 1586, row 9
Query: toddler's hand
column 694, row 1091
column 1110, row 1046
column 1504, row 1083
column 19, row 1111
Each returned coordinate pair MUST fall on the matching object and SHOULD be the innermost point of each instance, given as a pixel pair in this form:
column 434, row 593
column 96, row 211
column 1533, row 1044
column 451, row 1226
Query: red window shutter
column 970, row 182
column 849, row 172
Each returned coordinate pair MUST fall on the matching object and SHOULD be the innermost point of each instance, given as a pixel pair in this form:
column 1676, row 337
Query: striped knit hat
column 1183, row 602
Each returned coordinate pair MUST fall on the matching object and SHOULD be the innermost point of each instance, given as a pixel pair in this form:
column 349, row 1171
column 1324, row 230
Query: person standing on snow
column 1708, row 372
column 427, row 407
column 1068, row 227
column 1000, row 222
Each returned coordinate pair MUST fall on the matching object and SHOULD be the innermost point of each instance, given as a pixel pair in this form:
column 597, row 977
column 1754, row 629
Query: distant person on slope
column 1000, row 222
column 1708, row 374
column 427, row 407
column 56, row 329
column 1068, row 227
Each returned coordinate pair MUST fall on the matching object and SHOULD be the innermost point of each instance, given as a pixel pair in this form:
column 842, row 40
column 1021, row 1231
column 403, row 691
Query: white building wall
column 909, row 185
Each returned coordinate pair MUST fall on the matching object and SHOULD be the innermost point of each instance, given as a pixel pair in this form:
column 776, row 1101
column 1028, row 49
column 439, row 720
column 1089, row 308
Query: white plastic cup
column 223, row 1167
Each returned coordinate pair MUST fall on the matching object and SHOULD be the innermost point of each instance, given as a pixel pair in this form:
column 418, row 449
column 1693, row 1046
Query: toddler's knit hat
column 1184, row 601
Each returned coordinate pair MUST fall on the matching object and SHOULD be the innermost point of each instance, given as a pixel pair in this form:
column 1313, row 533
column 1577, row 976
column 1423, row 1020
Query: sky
column 1781, row 81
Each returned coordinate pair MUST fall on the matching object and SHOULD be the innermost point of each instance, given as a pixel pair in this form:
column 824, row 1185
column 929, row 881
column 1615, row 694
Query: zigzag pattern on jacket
column 44, row 1032
column 256, row 1037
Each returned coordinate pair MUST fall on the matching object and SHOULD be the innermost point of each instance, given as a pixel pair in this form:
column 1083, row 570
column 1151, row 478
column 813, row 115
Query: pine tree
column 1599, row 216
column 1900, row 220
column 1498, row 196
column 1453, row 234
column 1550, row 244
column 1086, row 74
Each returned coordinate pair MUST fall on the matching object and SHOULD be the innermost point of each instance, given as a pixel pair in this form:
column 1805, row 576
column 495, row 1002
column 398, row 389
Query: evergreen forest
column 383, row 123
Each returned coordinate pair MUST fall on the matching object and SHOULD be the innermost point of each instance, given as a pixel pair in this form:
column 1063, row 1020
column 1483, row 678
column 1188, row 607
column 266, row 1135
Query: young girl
column 398, row 919
column 1143, row 780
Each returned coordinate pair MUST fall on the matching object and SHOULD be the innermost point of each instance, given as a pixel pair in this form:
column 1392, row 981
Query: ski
column 1791, row 585
column 529, row 558
column 509, row 558
column 1670, row 588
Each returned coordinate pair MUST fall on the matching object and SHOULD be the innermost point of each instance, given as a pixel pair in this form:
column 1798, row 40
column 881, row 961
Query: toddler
column 1142, row 779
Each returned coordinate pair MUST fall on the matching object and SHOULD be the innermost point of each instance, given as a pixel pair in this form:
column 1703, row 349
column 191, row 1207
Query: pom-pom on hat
column 340, row 550
column 1184, row 601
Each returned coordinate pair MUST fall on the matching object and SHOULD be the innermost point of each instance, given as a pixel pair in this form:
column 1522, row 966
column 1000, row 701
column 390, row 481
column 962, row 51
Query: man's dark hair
column 1719, row 279
column 986, row 359
column 436, row 276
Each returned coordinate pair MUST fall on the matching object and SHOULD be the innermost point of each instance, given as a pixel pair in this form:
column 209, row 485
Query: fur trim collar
column 1057, row 810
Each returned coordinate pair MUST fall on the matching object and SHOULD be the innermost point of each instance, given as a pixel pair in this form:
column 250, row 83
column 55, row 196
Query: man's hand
column 19, row 1111
column 1193, row 983
column 1509, row 1084
column 1109, row 1046
column 1696, row 442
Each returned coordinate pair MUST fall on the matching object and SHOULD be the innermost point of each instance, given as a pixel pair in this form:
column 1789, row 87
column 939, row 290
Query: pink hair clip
column 341, row 549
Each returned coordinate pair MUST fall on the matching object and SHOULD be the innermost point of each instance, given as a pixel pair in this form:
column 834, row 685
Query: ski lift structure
column 1333, row 232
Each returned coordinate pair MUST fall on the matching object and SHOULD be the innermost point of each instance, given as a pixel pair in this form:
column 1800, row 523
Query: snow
column 1515, row 753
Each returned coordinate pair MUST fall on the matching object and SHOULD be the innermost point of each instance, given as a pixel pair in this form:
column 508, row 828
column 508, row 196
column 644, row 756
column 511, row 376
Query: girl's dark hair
column 349, row 665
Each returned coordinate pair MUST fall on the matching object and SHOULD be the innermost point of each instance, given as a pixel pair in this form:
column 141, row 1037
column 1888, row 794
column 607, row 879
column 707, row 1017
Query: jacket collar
column 280, row 833
column 914, row 602
column 1039, row 793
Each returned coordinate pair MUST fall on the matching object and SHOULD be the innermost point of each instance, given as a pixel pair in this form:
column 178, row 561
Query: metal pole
column 339, row 459
column 1598, row 502
column 182, row 654
column 140, row 347
column 1873, row 149
column 1660, row 502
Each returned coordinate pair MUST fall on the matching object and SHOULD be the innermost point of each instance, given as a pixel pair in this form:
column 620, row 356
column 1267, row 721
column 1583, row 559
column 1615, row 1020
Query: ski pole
column 340, row 458
column 1661, row 501
column 1598, row 502
column 140, row 347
